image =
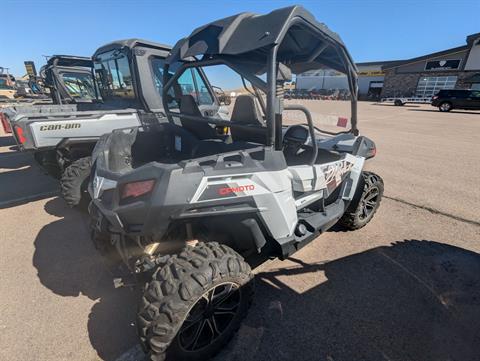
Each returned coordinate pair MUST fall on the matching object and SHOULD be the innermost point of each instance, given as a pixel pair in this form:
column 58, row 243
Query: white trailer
column 399, row 101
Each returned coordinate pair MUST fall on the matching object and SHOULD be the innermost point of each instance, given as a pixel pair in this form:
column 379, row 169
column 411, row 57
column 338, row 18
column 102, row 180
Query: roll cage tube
column 274, row 111
column 256, row 94
column 273, row 103
column 353, row 85
column 311, row 129
column 350, row 72
column 168, row 81
column 56, row 85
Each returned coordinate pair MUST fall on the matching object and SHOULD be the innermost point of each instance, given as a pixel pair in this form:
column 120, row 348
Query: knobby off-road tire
column 209, row 286
column 74, row 182
column 365, row 202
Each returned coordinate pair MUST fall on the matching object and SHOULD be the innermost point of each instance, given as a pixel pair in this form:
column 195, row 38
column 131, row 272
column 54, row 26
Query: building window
column 429, row 86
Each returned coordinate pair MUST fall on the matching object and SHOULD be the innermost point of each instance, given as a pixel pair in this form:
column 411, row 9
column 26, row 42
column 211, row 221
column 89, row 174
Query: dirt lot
column 405, row 287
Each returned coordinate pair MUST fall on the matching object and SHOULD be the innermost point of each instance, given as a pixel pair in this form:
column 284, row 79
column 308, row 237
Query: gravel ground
column 405, row 287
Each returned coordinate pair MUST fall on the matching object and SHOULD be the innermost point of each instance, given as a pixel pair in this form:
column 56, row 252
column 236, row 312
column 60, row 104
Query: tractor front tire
column 194, row 303
column 74, row 182
column 365, row 202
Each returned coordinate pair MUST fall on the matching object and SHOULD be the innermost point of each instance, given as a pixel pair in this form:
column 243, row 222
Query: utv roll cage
column 139, row 53
column 285, row 40
column 53, row 71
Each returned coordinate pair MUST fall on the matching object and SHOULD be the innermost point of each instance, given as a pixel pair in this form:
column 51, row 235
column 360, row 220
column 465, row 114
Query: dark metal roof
column 384, row 63
column 469, row 40
column 70, row 61
column 131, row 43
column 249, row 36
column 425, row 57
column 472, row 37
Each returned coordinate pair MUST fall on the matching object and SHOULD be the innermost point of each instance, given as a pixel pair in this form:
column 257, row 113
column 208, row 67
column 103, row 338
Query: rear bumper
column 103, row 219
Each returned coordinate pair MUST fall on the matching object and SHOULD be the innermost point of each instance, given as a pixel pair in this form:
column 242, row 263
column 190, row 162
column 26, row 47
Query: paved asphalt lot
column 405, row 287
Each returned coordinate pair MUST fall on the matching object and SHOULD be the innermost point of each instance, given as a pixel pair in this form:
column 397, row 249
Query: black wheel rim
column 210, row 317
column 369, row 203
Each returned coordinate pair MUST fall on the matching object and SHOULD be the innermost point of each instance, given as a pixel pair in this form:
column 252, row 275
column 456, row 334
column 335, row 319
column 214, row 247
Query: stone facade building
column 370, row 79
column 424, row 76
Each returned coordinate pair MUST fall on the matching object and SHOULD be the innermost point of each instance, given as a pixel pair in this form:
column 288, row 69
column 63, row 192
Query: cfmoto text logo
column 227, row 190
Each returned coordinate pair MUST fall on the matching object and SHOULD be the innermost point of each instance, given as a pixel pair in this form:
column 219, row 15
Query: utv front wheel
column 365, row 202
column 194, row 303
column 74, row 182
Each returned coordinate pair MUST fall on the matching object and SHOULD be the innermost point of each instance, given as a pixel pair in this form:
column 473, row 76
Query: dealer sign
column 442, row 64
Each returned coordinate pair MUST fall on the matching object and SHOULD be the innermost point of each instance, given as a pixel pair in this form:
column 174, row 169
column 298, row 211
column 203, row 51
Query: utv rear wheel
column 445, row 107
column 194, row 303
column 365, row 202
column 74, row 182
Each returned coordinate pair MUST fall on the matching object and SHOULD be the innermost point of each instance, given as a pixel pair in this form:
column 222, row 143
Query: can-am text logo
column 227, row 190
column 60, row 126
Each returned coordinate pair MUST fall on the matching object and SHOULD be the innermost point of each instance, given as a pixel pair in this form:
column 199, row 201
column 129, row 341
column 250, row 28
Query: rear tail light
column 6, row 125
column 19, row 133
column 136, row 189
column 372, row 152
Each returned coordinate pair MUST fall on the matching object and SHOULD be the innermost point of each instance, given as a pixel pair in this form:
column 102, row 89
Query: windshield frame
column 106, row 89
column 92, row 92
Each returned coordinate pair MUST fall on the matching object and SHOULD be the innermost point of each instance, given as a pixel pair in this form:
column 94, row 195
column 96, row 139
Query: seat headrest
column 245, row 110
column 189, row 106
column 200, row 129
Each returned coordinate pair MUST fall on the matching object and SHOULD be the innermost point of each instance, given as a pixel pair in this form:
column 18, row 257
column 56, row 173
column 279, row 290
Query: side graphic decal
column 334, row 173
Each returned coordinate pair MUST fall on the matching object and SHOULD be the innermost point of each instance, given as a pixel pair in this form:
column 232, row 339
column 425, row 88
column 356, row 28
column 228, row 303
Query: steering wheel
column 295, row 140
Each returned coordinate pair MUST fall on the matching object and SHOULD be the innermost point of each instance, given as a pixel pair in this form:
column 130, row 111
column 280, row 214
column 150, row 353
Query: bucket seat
column 201, row 130
column 245, row 112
